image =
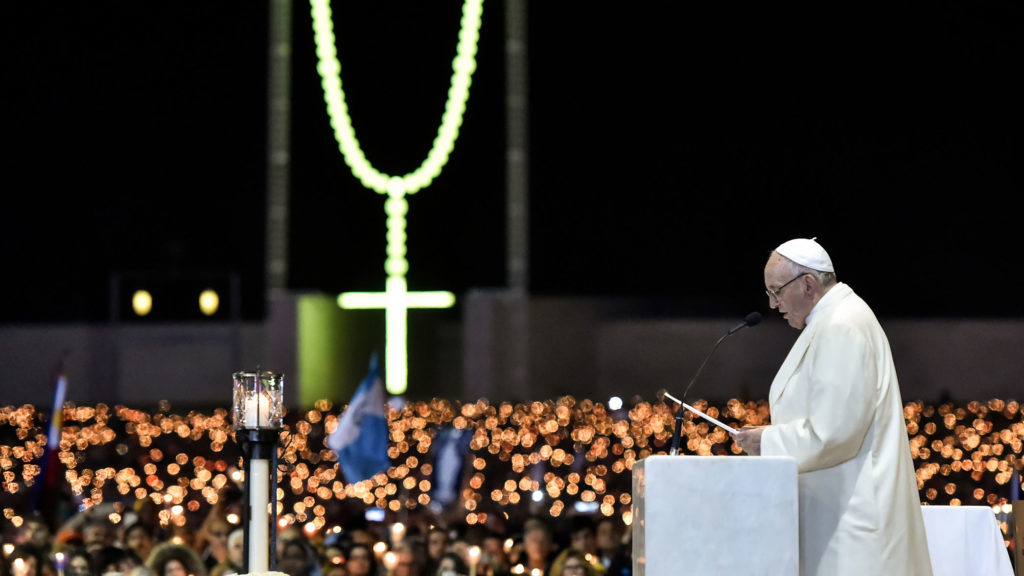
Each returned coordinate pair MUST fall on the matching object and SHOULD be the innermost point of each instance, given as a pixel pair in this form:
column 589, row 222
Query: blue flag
column 361, row 439
column 451, row 447
column 45, row 491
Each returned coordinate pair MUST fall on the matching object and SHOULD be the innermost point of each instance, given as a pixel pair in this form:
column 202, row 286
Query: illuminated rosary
column 396, row 299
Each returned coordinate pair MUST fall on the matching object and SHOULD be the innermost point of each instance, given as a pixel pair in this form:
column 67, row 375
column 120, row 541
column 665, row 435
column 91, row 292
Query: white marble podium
column 715, row 515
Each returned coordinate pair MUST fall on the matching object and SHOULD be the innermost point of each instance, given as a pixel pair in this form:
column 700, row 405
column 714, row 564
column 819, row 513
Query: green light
column 330, row 73
column 396, row 299
column 369, row 300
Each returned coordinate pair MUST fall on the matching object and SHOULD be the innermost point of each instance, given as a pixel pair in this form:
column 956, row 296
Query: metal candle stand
column 258, row 411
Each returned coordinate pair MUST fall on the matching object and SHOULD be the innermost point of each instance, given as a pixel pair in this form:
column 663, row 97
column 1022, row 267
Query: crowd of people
column 90, row 544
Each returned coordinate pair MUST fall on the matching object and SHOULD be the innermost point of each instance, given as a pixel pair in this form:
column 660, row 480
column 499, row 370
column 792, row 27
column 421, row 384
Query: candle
column 474, row 557
column 61, row 562
column 397, row 534
column 259, row 523
column 390, row 561
column 257, row 411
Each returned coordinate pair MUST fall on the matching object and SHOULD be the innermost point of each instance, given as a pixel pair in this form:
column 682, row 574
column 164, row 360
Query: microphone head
column 752, row 319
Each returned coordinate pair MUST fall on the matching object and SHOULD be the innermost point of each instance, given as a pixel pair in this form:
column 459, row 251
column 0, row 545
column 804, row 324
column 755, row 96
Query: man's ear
column 810, row 284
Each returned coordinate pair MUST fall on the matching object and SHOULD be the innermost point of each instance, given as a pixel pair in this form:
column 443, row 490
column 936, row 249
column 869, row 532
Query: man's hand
column 749, row 438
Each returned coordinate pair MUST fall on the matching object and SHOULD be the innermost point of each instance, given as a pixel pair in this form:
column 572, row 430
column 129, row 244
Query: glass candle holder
column 258, row 400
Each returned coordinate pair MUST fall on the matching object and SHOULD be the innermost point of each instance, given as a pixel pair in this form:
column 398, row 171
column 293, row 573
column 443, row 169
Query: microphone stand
column 678, row 433
column 752, row 319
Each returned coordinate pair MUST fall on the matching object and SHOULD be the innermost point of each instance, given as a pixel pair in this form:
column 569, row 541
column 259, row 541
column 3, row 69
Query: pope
column 836, row 409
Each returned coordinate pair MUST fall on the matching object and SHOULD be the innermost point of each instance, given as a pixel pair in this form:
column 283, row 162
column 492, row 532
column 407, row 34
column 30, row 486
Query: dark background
column 671, row 147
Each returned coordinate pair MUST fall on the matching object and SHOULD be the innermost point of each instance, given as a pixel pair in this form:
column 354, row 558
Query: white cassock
column 836, row 409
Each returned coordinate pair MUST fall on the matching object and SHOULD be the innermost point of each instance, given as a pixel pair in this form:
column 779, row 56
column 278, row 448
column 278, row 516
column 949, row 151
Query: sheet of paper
column 721, row 425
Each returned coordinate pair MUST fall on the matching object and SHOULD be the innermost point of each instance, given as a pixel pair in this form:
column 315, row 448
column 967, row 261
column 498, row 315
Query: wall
column 592, row 348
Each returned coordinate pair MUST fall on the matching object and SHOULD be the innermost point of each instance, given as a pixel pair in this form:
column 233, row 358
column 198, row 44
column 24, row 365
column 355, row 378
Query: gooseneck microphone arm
column 751, row 319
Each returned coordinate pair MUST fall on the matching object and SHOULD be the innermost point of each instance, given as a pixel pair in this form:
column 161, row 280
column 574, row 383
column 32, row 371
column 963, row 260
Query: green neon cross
column 396, row 299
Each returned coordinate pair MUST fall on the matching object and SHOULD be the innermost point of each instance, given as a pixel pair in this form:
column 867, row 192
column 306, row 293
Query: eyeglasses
column 778, row 291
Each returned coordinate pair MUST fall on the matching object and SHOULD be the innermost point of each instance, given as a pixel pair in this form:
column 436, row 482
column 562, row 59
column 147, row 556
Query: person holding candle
column 138, row 537
column 538, row 545
column 361, row 561
column 34, row 531
column 98, row 532
column 211, row 541
column 494, row 556
column 26, row 560
column 614, row 546
column 114, row 559
column 298, row 558
column 78, row 562
column 573, row 562
column 411, row 559
column 451, row 564
column 235, row 559
column 172, row 559
column 437, row 545
column 582, row 534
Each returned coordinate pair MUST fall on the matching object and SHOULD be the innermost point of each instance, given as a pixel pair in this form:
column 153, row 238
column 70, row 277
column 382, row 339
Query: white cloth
column 965, row 540
column 836, row 409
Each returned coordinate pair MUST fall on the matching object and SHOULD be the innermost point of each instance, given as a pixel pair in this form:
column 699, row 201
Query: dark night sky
column 670, row 149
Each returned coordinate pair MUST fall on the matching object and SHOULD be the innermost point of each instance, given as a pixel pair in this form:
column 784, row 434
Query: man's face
column 36, row 534
column 140, row 542
column 607, row 535
column 217, row 538
column 537, row 543
column 236, row 549
column 294, row 559
column 493, row 548
column 583, row 540
column 406, row 564
column 791, row 300
column 174, row 567
column 79, row 566
column 96, row 536
column 437, row 541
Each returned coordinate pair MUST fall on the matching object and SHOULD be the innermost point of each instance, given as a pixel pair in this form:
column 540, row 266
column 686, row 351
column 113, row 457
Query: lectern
column 715, row 515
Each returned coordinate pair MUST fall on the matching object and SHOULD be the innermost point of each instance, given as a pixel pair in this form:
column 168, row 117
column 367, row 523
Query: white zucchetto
column 807, row 252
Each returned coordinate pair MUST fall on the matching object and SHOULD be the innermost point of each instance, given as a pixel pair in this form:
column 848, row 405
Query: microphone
column 752, row 319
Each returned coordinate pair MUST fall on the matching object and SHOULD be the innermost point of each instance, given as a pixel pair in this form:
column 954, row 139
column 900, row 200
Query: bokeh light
column 523, row 457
